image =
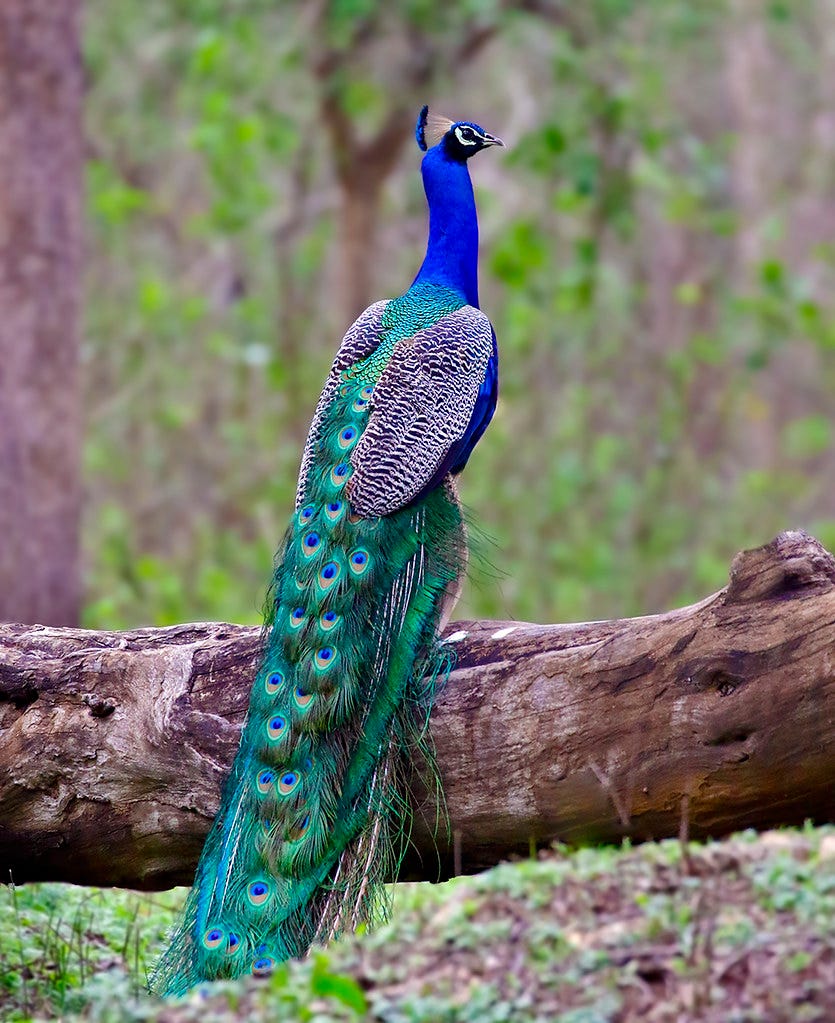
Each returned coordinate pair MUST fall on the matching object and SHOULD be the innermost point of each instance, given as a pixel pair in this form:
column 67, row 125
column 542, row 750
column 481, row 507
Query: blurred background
column 658, row 259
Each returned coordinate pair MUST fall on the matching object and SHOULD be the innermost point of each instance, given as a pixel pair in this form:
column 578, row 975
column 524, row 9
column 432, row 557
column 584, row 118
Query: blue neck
column 452, row 252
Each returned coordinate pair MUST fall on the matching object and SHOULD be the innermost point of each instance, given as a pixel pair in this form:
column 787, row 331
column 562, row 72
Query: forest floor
column 728, row 932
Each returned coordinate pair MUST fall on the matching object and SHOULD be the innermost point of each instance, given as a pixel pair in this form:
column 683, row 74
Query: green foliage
column 664, row 385
column 324, row 983
column 60, row 938
column 594, row 934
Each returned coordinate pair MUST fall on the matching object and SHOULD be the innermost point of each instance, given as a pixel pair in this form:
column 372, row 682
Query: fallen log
column 708, row 718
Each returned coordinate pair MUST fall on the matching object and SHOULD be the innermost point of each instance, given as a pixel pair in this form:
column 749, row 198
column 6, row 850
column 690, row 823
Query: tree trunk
column 709, row 718
column 358, row 230
column 40, row 280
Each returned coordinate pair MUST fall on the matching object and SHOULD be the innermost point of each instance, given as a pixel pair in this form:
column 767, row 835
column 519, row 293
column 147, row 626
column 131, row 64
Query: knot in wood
column 792, row 563
column 99, row 708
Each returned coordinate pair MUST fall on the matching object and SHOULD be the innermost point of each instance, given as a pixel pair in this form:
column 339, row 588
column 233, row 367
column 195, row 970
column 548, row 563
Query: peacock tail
column 313, row 819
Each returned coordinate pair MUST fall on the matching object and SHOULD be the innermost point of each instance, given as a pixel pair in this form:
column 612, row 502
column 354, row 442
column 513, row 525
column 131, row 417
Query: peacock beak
column 491, row 140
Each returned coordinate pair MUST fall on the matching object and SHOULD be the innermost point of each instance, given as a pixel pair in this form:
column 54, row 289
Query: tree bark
column 40, row 281
column 708, row 718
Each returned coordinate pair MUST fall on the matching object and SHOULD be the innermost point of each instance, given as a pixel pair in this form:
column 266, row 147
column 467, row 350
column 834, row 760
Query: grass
column 58, row 939
column 733, row 932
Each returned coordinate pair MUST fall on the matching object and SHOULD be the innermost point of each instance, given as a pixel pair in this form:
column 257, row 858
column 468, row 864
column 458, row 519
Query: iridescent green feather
column 312, row 820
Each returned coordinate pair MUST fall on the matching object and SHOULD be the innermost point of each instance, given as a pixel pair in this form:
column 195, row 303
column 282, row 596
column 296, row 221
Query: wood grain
column 114, row 745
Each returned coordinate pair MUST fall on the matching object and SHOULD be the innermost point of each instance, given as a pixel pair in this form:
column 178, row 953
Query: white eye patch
column 464, row 141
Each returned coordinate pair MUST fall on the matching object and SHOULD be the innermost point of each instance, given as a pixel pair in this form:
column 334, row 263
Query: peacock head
column 459, row 139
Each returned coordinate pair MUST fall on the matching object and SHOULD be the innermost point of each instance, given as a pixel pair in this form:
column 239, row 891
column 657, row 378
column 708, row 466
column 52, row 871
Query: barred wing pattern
column 421, row 407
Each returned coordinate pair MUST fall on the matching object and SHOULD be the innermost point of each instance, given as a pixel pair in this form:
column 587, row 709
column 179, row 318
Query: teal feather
column 312, row 819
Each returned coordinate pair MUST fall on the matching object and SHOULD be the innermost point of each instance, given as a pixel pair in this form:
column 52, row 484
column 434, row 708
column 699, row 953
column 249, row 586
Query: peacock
column 313, row 817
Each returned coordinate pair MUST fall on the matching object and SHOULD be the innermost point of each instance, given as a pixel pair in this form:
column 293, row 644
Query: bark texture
column 707, row 718
column 40, row 281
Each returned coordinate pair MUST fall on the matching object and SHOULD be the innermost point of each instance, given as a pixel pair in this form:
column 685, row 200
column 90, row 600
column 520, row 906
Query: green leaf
column 337, row 986
column 689, row 293
column 807, row 436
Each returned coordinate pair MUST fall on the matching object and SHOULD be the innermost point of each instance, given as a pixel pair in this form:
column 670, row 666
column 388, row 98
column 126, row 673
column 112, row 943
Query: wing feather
column 421, row 408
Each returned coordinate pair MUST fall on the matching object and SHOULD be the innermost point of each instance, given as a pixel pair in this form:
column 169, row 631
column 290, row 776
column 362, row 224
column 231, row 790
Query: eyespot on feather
column 299, row 830
column 347, row 437
column 288, row 782
column 324, row 658
column 334, row 510
column 273, row 682
column 233, row 944
column 263, row 967
column 329, row 575
column 296, row 617
column 359, row 561
column 310, row 543
column 264, row 781
column 258, row 893
column 328, row 620
column 213, row 938
column 307, row 513
column 276, row 727
column 301, row 698
column 340, row 474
